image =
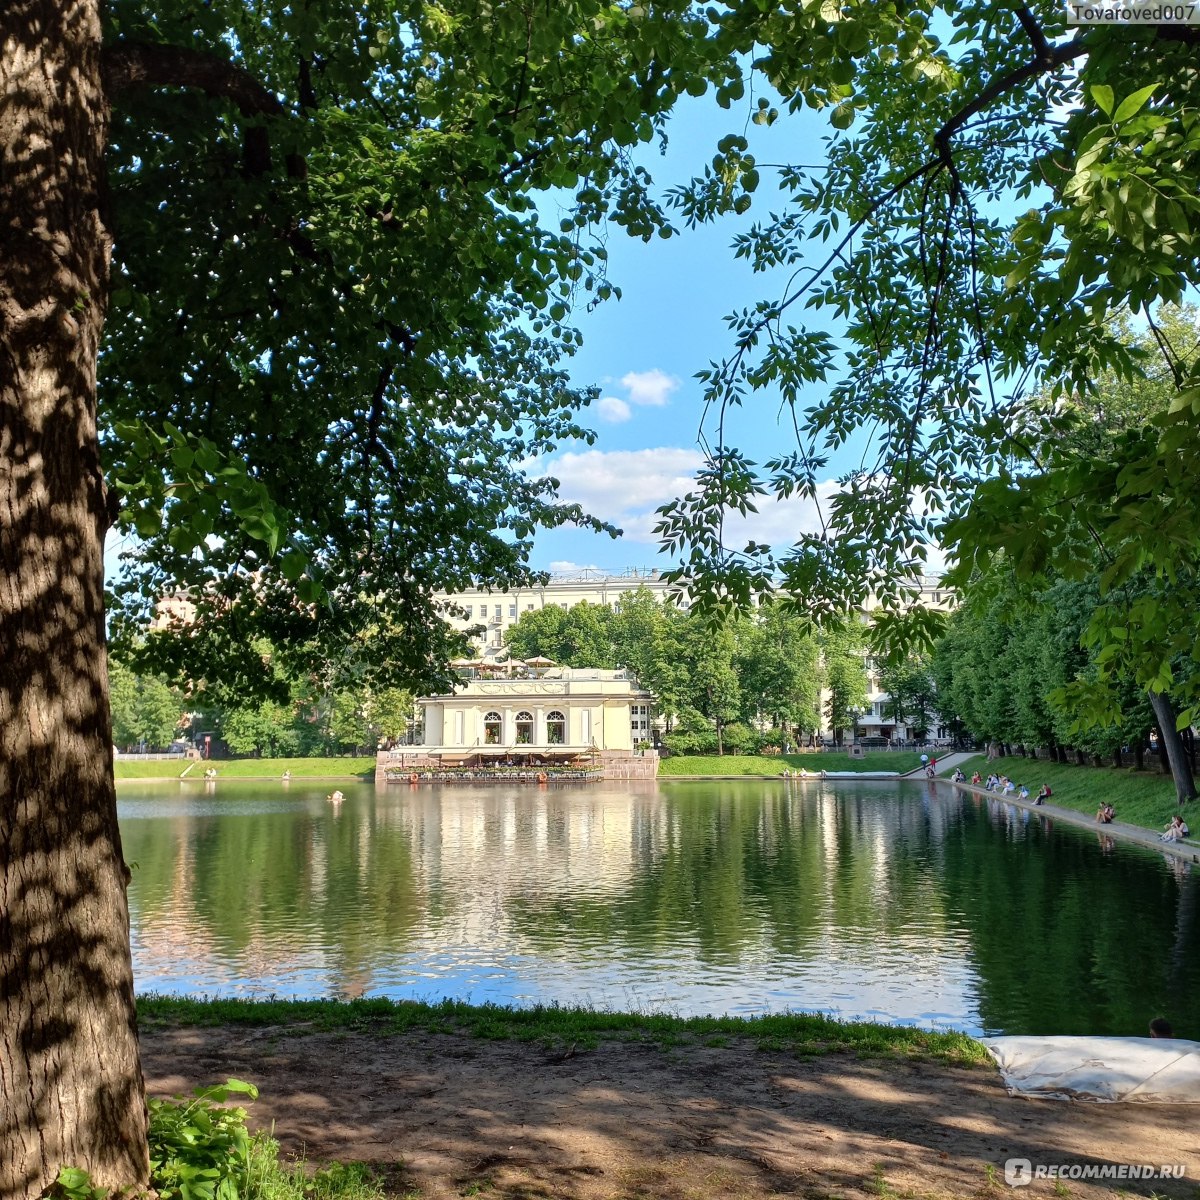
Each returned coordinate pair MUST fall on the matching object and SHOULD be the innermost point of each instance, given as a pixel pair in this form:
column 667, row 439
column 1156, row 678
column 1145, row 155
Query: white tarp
column 1148, row 1070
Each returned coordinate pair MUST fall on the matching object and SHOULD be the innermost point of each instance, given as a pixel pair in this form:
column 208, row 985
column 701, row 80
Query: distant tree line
column 1069, row 637
column 306, row 717
column 750, row 683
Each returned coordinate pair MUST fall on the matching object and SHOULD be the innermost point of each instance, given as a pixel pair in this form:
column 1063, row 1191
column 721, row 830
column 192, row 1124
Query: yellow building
column 557, row 709
column 539, row 716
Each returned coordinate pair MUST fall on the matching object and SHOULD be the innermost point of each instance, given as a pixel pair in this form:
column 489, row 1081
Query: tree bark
column 1171, row 744
column 69, row 1069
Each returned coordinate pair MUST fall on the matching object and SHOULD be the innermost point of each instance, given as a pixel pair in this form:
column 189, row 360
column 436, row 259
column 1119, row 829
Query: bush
column 199, row 1150
column 700, row 742
column 739, row 739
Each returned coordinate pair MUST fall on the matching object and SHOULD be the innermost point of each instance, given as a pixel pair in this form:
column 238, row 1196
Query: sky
column 643, row 352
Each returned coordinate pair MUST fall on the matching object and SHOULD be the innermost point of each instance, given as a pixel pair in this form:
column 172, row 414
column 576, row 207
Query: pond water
column 866, row 900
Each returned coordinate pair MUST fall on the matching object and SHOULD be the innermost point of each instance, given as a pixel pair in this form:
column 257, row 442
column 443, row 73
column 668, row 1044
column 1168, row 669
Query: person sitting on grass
column 1023, row 794
column 976, row 778
column 1043, row 795
column 1176, row 829
column 1105, row 814
column 958, row 776
column 1009, row 786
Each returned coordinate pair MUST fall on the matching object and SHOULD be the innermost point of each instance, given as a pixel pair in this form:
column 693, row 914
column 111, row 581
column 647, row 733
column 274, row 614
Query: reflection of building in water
column 415, row 889
column 477, row 852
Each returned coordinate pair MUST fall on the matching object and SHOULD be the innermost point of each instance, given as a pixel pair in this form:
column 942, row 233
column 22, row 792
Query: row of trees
column 1062, row 614
column 310, row 719
column 715, row 684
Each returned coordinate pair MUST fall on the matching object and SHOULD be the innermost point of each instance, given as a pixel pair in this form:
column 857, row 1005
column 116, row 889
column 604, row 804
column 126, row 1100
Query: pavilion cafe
column 531, row 721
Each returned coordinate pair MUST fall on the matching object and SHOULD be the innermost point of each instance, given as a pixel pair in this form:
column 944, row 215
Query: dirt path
column 444, row 1116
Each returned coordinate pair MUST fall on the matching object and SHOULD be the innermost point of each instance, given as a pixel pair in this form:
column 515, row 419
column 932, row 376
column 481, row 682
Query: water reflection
column 861, row 899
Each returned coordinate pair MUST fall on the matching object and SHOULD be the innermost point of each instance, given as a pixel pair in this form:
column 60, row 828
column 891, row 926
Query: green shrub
column 739, row 738
column 200, row 1150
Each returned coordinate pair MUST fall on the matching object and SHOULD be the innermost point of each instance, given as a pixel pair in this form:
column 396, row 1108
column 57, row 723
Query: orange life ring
column 413, row 777
column 543, row 777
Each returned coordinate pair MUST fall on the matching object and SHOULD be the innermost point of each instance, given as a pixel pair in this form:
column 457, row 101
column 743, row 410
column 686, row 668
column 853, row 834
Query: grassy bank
column 1143, row 798
column 897, row 761
column 583, row 1028
column 250, row 768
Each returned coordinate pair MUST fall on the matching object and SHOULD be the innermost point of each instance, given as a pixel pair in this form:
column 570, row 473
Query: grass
column 250, row 768
column 1143, row 798
column 897, row 761
column 573, row 1028
column 270, row 1179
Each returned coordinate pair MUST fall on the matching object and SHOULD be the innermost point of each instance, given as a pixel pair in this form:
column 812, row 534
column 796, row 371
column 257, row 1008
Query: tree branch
column 129, row 65
column 1044, row 62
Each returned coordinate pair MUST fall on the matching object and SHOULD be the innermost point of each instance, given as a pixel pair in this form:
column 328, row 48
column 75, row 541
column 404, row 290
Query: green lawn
column 897, row 761
column 1143, row 798
column 803, row 1033
column 251, row 768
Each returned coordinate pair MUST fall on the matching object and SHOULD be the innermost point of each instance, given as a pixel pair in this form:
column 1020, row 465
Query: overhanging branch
column 129, row 65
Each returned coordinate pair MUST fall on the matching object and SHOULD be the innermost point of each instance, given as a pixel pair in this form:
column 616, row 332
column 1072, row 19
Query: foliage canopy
column 998, row 187
column 338, row 317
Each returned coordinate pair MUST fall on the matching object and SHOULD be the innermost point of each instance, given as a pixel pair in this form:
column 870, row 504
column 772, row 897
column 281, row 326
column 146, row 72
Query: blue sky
column 643, row 351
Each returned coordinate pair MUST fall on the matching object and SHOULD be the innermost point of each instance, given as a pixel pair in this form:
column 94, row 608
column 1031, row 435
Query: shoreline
column 1188, row 850
column 442, row 1111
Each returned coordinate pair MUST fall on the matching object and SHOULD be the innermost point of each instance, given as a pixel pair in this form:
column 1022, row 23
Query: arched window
column 556, row 729
column 491, row 728
column 524, row 728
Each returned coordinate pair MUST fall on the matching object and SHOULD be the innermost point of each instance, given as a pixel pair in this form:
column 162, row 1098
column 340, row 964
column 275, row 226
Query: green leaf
column 147, row 522
column 293, row 565
column 1132, row 103
column 1103, row 96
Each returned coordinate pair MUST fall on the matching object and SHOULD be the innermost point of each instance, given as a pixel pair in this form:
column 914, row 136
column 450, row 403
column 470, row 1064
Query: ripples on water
column 865, row 900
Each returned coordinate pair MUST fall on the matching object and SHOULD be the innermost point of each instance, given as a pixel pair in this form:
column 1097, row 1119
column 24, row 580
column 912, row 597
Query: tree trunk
column 69, row 1070
column 1139, row 754
column 1172, row 744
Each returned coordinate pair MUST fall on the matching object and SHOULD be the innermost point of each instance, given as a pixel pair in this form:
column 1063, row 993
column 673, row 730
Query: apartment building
column 497, row 612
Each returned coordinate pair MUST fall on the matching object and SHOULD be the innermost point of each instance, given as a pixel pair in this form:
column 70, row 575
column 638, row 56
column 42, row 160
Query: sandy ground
column 445, row 1116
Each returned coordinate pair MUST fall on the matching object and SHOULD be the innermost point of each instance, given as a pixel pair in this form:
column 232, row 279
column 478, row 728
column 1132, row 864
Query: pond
column 866, row 900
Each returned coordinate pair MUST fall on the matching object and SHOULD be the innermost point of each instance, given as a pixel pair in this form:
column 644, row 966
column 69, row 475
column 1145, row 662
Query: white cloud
column 650, row 388
column 625, row 486
column 610, row 408
column 563, row 566
column 778, row 523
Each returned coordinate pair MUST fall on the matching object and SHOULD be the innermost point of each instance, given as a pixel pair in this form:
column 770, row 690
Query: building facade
column 492, row 614
column 557, row 711
column 540, row 719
